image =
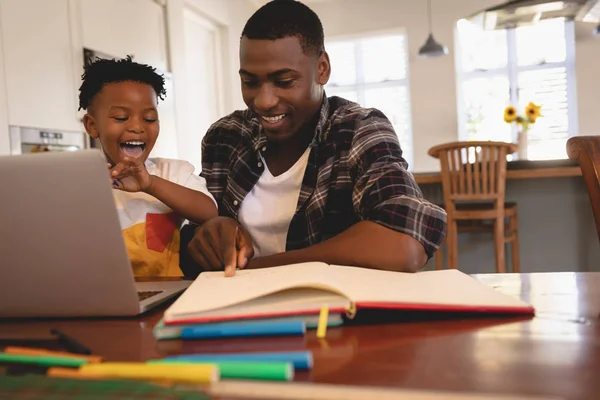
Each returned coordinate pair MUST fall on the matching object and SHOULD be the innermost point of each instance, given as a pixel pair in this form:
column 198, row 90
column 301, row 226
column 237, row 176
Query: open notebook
column 302, row 289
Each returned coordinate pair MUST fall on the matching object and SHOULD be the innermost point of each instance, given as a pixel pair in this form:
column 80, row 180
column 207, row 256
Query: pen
column 69, row 343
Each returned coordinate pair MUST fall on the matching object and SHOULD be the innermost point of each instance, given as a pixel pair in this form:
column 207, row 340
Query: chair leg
column 514, row 246
column 452, row 244
column 499, row 250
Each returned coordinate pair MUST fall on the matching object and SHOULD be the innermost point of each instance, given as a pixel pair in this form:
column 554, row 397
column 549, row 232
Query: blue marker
column 214, row 331
column 300, row 359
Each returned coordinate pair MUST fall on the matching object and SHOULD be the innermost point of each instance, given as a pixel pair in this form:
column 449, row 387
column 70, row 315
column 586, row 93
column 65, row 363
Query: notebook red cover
column 302, row 289
column 382, row 306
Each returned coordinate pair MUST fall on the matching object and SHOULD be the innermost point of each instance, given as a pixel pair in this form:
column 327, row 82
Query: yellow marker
column 351, row 311
column 323, row 318
column 180, row 373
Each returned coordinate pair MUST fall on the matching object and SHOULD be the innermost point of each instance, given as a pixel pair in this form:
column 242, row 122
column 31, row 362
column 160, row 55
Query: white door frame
column 4, row 137
column 195, row 14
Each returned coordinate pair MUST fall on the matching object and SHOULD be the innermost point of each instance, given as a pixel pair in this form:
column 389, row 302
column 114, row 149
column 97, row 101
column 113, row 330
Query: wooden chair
column 474, row 186
column 586, row 150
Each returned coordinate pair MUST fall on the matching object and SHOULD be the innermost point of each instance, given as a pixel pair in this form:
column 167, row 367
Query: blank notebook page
column 445, row 287
column 213, row 291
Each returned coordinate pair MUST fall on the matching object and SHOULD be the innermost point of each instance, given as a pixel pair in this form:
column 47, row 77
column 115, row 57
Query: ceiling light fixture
column 432, row 48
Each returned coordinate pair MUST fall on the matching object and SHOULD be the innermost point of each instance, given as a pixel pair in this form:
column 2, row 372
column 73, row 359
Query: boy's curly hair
column 101, row 71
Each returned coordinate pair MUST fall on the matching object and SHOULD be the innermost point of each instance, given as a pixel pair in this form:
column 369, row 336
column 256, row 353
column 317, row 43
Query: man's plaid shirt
column 355, row 172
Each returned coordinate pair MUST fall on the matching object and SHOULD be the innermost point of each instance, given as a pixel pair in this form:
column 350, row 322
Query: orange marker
column 71, row 373
column 29, row 351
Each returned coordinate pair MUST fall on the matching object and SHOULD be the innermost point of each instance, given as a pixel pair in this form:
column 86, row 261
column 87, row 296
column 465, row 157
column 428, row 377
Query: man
column 301, row 177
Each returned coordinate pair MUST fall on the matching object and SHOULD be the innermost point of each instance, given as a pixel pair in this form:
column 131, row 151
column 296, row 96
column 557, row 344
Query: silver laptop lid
column 60, row 239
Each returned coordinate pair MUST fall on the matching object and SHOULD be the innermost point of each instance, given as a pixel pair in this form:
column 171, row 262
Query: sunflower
column 532, row 111
column 510, row 114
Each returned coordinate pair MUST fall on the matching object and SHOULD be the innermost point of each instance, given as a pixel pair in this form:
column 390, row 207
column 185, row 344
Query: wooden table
column 556, row 353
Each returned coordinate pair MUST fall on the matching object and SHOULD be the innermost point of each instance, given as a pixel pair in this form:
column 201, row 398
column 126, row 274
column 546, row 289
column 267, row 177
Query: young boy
column 153, row 195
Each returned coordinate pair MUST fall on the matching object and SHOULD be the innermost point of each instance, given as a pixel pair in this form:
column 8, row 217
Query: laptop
column 61, row 247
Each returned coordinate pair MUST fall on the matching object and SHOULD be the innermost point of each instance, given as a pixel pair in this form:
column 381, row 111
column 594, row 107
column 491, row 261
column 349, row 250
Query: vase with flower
column 532, row 113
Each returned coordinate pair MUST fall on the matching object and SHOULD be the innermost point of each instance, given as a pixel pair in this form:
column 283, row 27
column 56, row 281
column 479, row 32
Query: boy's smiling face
column 124, row 116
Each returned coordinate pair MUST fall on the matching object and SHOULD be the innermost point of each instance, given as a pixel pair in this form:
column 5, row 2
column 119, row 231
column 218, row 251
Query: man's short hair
column 287, row 18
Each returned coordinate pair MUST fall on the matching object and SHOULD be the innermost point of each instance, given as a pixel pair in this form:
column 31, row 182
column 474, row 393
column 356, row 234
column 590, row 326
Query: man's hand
column 131, row 175
column 221, row 244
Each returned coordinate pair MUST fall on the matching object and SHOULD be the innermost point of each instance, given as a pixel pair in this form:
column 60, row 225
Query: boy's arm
column 186, row 200
column 190, row 204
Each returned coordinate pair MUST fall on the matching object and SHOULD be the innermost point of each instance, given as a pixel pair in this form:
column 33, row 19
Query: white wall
column 4, row 138
column 432, row 81
column 226, row 19
column 122, row 27
column 587, row 66
column 230, row 16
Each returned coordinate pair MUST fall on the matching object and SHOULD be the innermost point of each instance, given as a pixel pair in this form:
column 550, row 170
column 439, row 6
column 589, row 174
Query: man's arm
column 366, row 244
column 399, row 230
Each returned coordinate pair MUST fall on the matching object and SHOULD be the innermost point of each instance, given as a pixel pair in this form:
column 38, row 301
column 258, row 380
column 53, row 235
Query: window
column 515, row 66
column 373, row 71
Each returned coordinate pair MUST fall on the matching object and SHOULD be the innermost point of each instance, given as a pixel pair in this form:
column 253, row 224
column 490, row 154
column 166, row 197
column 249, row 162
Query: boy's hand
column 131, row 175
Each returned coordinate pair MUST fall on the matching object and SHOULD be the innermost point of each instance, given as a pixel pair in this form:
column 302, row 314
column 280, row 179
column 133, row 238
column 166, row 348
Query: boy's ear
column 90, row 125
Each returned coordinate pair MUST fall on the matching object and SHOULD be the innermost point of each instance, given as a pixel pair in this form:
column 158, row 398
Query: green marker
column 50, row 361
column 270, row 371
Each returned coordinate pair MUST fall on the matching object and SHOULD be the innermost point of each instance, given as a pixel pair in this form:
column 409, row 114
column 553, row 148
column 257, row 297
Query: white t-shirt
column 150, row 228
column 269, row 207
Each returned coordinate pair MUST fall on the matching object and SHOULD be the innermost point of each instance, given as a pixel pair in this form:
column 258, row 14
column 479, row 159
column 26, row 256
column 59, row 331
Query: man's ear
column 323, row 68
column 90, row 125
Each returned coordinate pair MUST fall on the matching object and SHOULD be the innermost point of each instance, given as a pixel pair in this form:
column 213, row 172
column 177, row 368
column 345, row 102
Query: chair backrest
column 473, row 171
column 586, row 150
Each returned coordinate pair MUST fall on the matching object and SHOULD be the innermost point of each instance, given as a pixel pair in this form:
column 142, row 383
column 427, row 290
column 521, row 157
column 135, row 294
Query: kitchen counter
column 524, row 169
column 556, row 224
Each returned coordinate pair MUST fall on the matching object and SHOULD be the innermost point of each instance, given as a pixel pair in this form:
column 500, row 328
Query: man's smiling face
column 282, row 84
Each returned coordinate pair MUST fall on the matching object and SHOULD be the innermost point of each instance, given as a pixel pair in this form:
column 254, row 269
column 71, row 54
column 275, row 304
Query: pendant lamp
column 432, row 48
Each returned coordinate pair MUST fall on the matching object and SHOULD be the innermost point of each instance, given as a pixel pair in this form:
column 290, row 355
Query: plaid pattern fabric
column 355, row 172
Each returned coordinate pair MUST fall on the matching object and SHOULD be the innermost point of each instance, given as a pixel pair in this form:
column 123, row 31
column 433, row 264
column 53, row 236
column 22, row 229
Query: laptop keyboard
column 148, row 293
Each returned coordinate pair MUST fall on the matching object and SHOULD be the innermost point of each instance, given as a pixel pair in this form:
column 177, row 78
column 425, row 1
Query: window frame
column 361, row 86
column 511, row 72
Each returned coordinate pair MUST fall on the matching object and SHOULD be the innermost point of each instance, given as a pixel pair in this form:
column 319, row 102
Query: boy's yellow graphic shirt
column 150, row 228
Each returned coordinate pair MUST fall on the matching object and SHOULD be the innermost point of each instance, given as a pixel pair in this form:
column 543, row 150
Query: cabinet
column 39, row 69
column 41, row 50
